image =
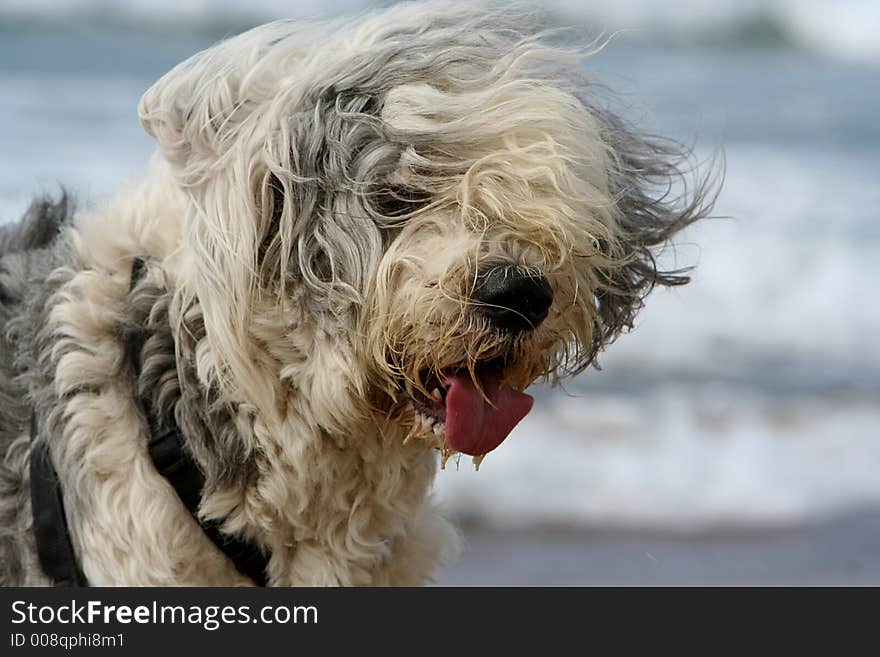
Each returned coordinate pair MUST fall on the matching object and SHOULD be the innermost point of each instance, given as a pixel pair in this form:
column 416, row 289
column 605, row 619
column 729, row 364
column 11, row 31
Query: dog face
column 426, row 209
column 489, row 282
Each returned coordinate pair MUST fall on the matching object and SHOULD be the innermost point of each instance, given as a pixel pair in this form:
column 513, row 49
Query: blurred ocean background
column 734, row 437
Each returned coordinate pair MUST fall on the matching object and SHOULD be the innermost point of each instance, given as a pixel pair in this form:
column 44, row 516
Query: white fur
column 318, row 345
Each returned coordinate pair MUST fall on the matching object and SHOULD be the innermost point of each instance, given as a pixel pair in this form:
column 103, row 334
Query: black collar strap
column 173, row 461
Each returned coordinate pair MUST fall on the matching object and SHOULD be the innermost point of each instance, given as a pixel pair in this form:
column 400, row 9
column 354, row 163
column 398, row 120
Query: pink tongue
column 475, row 427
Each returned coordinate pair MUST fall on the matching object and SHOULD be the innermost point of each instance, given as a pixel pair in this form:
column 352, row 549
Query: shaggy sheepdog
column 359, row 242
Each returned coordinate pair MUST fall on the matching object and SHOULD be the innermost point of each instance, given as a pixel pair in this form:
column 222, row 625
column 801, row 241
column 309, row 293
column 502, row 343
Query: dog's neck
column 267, row 478
column 169, row 385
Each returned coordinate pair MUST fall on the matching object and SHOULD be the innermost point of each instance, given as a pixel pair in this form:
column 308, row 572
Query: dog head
column 418, row 213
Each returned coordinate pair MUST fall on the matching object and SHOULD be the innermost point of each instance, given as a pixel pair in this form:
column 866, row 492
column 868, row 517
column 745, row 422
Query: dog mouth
column 469, row 411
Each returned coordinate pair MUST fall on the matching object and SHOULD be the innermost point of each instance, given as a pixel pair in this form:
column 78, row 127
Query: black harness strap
column 173, row 461
column 50, row 524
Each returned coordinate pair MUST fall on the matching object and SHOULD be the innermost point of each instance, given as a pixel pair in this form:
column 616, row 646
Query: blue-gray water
column 749, row 398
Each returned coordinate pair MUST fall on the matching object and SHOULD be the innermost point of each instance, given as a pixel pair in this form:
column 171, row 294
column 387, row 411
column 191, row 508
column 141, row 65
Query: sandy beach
column 839, row 552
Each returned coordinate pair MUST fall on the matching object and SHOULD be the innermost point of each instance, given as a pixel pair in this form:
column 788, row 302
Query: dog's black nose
column 514, row 299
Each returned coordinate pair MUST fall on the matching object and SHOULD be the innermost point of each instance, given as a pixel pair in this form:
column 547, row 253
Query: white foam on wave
column 846, row 28
column 678, row 460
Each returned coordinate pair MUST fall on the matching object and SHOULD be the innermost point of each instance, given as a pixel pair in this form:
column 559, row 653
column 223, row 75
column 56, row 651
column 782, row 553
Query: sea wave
column 844, row 29
column 679, row 459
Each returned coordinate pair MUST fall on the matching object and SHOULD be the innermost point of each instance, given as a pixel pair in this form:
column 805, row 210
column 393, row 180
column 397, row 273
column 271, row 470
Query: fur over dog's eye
column 393, row 201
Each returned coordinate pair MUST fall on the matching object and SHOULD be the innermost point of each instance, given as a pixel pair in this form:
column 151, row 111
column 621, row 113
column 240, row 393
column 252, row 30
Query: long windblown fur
column 314, row 225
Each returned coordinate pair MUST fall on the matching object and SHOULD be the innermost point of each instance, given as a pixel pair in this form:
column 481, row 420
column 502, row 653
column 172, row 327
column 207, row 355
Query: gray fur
column 36, row 260
column 30, row 257
column 170, row 392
